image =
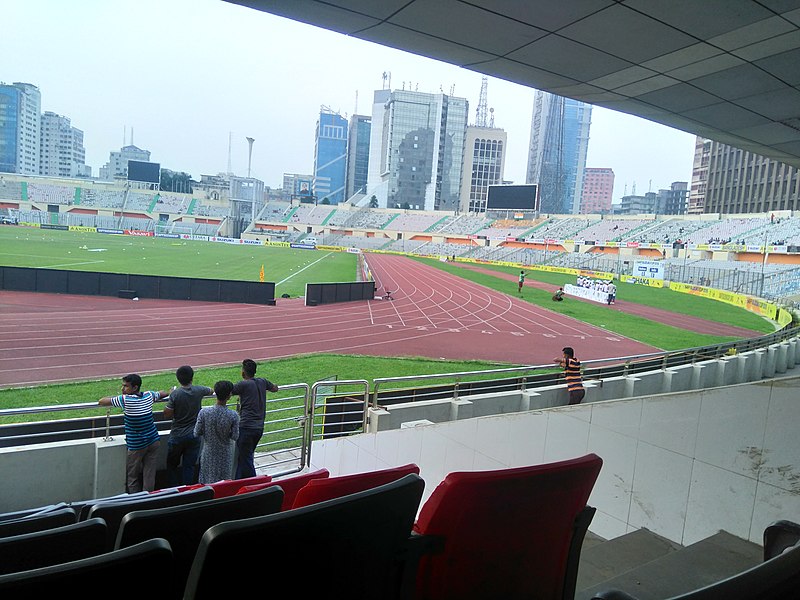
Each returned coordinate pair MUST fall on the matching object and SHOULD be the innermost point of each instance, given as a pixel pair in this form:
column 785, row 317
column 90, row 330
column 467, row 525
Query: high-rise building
column 484, row 163
column 740, row 182
column 330, row 157
column 61, row 149
column 117, row 165
column 357, row 155
column 598, row 191
column 20, row 125
column 638, row 205
column 697, row 194
column 674, row 200
column 557, row 152
column 417, row 150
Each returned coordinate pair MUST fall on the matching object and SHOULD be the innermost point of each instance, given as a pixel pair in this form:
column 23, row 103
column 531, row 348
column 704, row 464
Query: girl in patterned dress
column 217, row 427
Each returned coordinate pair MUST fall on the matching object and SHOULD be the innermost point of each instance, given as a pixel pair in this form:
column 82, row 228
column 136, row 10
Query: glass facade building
column 330, row 157
column 484, row 162
column 358, row 154
column 419, row 162
column 20, row 126
column 557, row 153
column 9, row 118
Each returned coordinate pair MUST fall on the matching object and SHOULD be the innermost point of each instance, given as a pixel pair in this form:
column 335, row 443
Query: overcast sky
column 186, row 76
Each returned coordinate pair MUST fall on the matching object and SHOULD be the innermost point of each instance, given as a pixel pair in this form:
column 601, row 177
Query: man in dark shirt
column 182, row 446
column 252, row 392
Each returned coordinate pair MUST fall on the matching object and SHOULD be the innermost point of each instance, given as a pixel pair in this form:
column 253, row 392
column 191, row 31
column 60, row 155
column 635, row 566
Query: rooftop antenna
column 491, row 118
column 633, row 189
column 355, row 108
column 250, row 155
column 131, row 136
column 453, row 89
column 387, row 77
column 123, row 135
column 480, row 112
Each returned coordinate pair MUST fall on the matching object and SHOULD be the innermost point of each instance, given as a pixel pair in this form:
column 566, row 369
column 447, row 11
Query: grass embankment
column 301, row 369
column 632, row 326
column 290, row 269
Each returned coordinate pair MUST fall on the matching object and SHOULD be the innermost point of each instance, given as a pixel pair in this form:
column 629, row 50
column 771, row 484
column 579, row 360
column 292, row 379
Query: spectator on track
column 572, row 373
column 141, row 435
column 218, row 427
column 252, row 392
column 183, row 447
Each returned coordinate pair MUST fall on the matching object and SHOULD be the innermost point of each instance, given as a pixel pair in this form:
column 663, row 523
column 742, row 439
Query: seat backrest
column 229, row 487
column 52, row 546
column 355, row 541
column 83, row 507
column 506, row 533
column 113, row 512
column 183, row 526
column 112, row 574
column 292, row 485
column 319, row 490
column 38, row 522
column 19, row 514
column 777, row 578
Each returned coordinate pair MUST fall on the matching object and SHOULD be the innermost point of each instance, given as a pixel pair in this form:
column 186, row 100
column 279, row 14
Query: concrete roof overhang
column 728, row 70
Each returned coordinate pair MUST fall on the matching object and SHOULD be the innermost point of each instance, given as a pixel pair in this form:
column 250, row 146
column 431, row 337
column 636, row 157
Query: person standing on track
column 521, row 281
column 141, row 435
column 572, row 373
column 183, row 447
column 252, row 392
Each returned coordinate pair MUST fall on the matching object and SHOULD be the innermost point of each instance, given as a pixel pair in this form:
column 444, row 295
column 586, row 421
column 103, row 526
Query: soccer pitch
column 290, row 269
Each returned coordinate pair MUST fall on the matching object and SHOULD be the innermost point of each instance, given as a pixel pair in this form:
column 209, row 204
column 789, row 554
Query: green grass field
column 290, row 269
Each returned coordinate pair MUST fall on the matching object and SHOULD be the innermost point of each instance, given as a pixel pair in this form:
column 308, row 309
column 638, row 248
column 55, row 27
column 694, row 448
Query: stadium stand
column 47, row 193
column 413, row 222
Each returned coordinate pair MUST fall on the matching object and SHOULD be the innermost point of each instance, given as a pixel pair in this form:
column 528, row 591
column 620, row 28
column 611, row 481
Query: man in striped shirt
column 572, row 373
column 141, row 435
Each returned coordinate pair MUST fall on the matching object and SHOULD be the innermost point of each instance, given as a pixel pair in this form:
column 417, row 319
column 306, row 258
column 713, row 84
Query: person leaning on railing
column 572, row 373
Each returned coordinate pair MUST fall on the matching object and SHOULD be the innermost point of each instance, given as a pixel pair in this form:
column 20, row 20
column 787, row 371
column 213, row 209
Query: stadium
column 679, row 467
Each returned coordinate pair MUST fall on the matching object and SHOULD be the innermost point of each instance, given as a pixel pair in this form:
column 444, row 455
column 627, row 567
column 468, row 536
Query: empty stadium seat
column 355, row 541
column 184, row 526
column 229, row 487
column 38, row 522
column 19, row 514
column 113, row 512
column 292, row 485
column 319, row 490
column 52, row 546
column 777, row 578
column 509, row 533
column 98, row 577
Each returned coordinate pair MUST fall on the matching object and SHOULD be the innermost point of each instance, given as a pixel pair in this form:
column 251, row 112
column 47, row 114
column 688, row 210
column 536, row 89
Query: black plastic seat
column 38, row 522
column 19, row 514
column 123, row 575
column 183, row 526
column 52, row 546
column 356, row 541
column 113, row 512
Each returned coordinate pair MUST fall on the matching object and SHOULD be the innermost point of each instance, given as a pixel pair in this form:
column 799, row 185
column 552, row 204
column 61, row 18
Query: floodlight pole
column 250, row 155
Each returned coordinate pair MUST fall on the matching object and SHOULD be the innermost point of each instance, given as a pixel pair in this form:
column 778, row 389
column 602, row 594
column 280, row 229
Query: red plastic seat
column 229, row 487
column 319, row 490
column 292, row 485
column 507, row 533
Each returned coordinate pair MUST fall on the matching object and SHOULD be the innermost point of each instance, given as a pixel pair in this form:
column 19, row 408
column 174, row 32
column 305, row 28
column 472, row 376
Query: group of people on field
column 604, row 286
column 206, row 433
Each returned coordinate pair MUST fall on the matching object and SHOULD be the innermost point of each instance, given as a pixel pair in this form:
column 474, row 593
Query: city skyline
column 184, row 78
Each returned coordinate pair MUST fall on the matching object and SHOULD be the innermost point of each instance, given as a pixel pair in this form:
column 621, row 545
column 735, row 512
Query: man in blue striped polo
column 141, row 435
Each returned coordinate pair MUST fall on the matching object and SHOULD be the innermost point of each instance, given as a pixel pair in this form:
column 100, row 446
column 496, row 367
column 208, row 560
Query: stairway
column 651, row 567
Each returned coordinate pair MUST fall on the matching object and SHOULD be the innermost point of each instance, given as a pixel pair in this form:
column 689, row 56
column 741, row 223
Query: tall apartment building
column 557, row 152
column 697, row 193
column 673, row 201
column 484, row 163
column 598, row 191
column 20, row 128
column 61, row 148
column 117, row 165
column 740, row 182
column 330, row 157
column 417, row 149
column 357, row 155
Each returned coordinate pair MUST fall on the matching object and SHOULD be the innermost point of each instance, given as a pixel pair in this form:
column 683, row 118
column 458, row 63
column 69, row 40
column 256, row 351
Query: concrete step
column 698, row 565
column 603, row 561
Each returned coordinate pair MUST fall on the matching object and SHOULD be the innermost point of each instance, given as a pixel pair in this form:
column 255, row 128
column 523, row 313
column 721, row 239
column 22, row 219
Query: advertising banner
column 649, row 269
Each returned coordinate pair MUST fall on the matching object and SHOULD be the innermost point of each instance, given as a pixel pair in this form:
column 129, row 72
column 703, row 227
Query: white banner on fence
column 586, row 293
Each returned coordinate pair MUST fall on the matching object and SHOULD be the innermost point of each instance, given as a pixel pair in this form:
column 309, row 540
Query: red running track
column 47, row 338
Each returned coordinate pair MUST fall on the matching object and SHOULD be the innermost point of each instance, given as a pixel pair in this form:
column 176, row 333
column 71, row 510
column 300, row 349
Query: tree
column 373, row 202
column 325, row 200
column 406, row 206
